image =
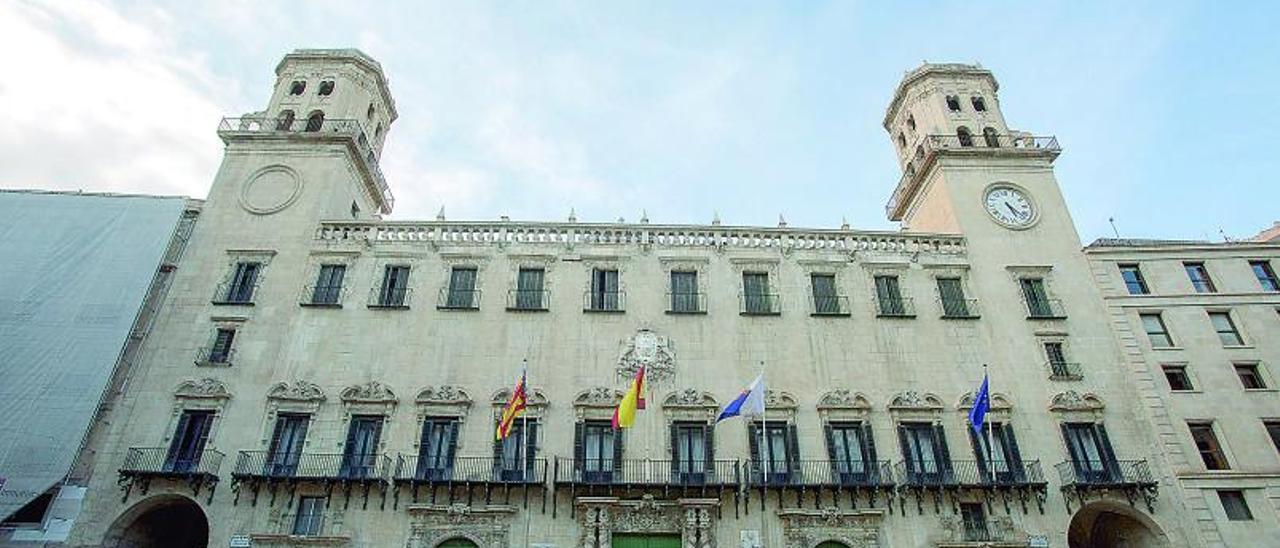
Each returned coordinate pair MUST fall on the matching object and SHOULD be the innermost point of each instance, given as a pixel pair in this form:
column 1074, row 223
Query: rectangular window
column 1153, row 324
column 515, row 457
column 974, row 518
column 779, row 457
column 853, row 453
column 826, row 301
column 1059, row 367
column 1133, row 280
column 310, row 519
column 691, row 452
column 1207, row 444
column 360, row 454
column 187, row 445
column 924, row 449
column 394, row 292
column 684, row 292
column 1226, row 328
column 1177, row 377
column 1273, row 430
column 755, row 293
column 328, row 288
column 1037, row 298
column 243, row 282
column 1092, row 459
column 530, row 292
column 1001, row 455
column 889, row 296
column 220, row 352
column 287, row 440
column 436, row 448
column 1266, row 276
column 1234, row 505
column 598, row 451
column 604, row 291
column 1250, row 376
column 462, row 288
column 1199, row 276
column 951, row 295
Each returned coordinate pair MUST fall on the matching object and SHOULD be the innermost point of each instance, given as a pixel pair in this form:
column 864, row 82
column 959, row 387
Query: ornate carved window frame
column 694, row 519
column 1000, row 410
column 299, row 397
column 843, row 405
column 440, row 401
column 591, row 263
column 1072, row 406
column 532, row 260
column 697, row 265
column 916, row 406
column 690, row 405
column 371, row 398
column 596, row 403
column 430, row 525
column 205, row 394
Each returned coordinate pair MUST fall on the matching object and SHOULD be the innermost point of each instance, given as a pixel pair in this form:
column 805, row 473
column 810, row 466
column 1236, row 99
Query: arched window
column 368, row 116
column 315, row 121
column 953, row 103
column 992, row 139
column 911, row 122
column 902, row 140
column 979, row 104
column 966, row 138
column 326, row 88
column 364, row 142
column 377, row 134
column 285, row 121
column 919, row 151
column 297, row 87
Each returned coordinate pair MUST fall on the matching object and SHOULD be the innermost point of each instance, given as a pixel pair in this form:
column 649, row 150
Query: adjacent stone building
column 321, row 376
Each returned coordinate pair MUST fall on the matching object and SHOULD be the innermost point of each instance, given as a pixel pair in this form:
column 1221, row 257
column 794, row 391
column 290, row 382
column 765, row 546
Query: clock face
column 1010, row 206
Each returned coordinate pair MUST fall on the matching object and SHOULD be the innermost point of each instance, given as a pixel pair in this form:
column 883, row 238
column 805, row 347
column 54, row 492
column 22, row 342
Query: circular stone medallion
column 270, row 189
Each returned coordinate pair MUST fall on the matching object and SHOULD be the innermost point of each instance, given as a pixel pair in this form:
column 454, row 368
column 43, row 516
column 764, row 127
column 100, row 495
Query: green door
column 645, row 541
column 457, row 543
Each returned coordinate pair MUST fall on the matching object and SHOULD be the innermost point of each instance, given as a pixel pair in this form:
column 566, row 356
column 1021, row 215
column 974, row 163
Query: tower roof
column 346, row 54
column 928, row 69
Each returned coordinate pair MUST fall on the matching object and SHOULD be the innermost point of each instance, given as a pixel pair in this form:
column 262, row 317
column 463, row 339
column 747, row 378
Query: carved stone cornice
column 431, row 524
column 803, row 528
column 844, row 399
column 999, row 401
column 600, row 517
column 690, row 398
column 1071, row 400
column 911, row 400
column 206, row 388
column 443, row 395
column 599, row 396
column 370, row 392
column 535, row 397
column 301, row 391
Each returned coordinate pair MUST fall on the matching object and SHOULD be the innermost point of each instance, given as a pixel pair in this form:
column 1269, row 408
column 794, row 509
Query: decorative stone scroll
column 536, row 400
column 1071, row 401
column 690, row 404
column 596, row 403
column 999, row 401
column 912, row 400
column 843, row 404
column 693, row 519
column 805, row 528
column 647, row 348
column 443, row 400
column 486, row 526
column 299, row 391
column 370, row 392
column 202, row 389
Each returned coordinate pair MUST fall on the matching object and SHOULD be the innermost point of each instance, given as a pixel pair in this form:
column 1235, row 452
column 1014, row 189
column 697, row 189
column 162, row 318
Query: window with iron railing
column 826, row 299
column 604, row 295
column 462, row 292
column 597, row 451
column 1036, row 297
column 889, row 299
column 1059, row 368
column 328, row 288
column 189, row 437
column 692, row 452
column 951, row 296
column 394, row 292
column 240, row 287
column 220, row 351
column 777, row 460
column 287, row 439
column 927, row 460
column 514, row 456
column 1092, row 459
column 685, row 297
column 360, row 454
column 756, row 299
column 530, row 291
column 437, row 448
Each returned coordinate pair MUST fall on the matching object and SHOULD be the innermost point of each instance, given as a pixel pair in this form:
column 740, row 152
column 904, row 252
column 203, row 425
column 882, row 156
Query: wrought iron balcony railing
column 414, row 469
column 1064, row 371
column 604, row 301
column 162, row 462
column 959, row 309
column 970, row 473
column 458, row 299
column 929, row 146
column 322, row 296
column 235, row 293
column 647, row 472
column 686, row 303
column 759, row 304
column 528, row 300
column 312, row 466
column 351, row 130
column 821, row 473
column 217, row 357
column 390, row 297
column 1044, row 309
column 829, row 305
column 1105, row 474
column 895, row 307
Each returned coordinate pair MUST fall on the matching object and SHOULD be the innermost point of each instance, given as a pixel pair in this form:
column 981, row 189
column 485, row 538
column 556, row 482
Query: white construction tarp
column 74, row 272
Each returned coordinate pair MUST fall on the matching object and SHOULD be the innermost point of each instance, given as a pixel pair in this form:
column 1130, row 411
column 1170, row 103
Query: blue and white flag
column 750, row 403
column 981, row 404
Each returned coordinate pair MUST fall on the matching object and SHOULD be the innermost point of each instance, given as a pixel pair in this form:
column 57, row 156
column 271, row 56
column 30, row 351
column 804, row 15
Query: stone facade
column 878, row 338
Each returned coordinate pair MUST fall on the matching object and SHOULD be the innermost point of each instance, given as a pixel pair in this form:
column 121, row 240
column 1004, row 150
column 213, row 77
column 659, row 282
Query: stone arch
column 459, row 540
column 161, row 521
column 831, row 543
column 1110, row 523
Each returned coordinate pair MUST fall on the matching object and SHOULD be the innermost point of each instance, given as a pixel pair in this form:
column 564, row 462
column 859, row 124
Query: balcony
column 686, row 303
column 929, row 147
column 959, row 309
column 228, row 293
column 528, row 300
column 144, row 464
column 393, row 298
column 759, row 304
column 256, row 468
column 604, row 301
column 895, row 307
column 322, row 296
column 347, row 131
column 458, row 299
column 1044, row 309
column 488, row 474
column 210, row 356
column 664, row 473
column 1132, row 478
column 829, row 305
column 1025, row 478
column 1064, row 371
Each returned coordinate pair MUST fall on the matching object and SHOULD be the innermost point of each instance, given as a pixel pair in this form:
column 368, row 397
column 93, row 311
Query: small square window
column 1235, row 506
column 326, row 88
column 220, row 352
column 953, row 103
column 297, row 87
column 1177, row 377
column 1200, row 279
column 1207, row 445
column 1133, row 280
column 1250, row 376
column 1157, row 333
column 1226, row 328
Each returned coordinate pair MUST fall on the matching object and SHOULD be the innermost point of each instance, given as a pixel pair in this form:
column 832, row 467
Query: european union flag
column 981, row 404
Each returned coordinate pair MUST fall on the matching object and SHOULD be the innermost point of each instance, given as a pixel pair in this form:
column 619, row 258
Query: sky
column 1166, row 111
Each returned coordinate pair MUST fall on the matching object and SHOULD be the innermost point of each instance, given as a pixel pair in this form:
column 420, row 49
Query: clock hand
column 1012, row 210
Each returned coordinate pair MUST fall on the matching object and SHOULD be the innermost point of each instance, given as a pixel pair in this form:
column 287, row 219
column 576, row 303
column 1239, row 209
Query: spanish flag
column 514, row 408
column 625, row 415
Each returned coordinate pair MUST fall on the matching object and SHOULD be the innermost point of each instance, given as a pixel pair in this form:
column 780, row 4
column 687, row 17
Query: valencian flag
column 625, row 415
column 514, row 408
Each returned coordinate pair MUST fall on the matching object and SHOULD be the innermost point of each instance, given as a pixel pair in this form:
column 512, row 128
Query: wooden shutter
column 793, row 452
column 617, row 451
column 179, row 434
column 906, row 448
column 710, row 449
column 452, row 448
column 1011, row 447
column 829, row 435
column 868, row 444
column 945, row 453
column 675, row 450
column 978, row 451
column 753, row 445
column 579, row 446
column 531, row 449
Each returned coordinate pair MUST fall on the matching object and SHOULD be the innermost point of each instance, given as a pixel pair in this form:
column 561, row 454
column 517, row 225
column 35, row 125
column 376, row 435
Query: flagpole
column 991, row 450
column 524, row 442
column 764, row 448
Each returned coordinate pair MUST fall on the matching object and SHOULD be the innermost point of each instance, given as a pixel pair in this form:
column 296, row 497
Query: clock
column 1010, row 206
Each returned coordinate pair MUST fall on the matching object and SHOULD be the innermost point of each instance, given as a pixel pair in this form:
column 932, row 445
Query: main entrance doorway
column 165, row 521
column 1113, row 525
column 627, row 540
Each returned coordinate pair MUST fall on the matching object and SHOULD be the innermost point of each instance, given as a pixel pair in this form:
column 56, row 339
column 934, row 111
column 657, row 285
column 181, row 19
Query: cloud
column 97, row 99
